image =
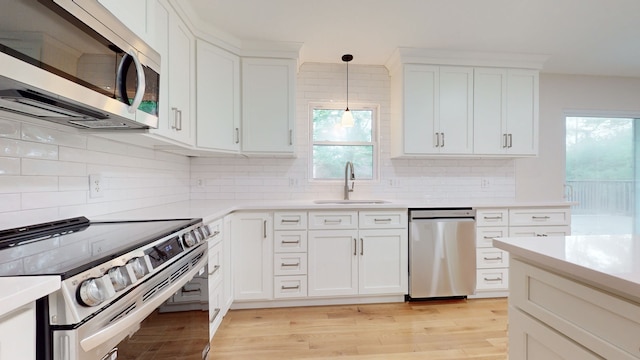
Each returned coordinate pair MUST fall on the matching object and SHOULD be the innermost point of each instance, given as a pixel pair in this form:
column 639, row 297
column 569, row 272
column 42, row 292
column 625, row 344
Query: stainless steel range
column 114, row 274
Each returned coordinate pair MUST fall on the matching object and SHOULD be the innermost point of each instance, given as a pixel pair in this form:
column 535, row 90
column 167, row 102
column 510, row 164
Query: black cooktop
column 71, row 246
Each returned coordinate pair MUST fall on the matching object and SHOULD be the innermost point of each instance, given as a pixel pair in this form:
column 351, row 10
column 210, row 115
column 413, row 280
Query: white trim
column 632, row 114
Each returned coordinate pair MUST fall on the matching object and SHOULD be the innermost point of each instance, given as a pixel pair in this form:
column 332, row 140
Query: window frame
column 375, row 141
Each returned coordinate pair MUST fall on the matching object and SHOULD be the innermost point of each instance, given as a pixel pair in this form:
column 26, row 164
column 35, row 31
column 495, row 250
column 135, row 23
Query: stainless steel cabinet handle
column 332, row 221
column 492, row 217
column 361, row 247
column 493, row 258
column 489, row 237
column 264, row 229
column 381, row 220
column 504, row 140
column 541, row 235
column 290, row 242
column 175, row 118
column 442, row 139
column 295, row 221
column 179, row 122
column 493, row 279
column 215, row 269
column 290, row 287
column 215, row 233
column 237, row 135
column 437, row 138
column 215, row 315
column 355, row 247
column 510, row 137
column 285, row 265
column 290, row 137
column 540, row 217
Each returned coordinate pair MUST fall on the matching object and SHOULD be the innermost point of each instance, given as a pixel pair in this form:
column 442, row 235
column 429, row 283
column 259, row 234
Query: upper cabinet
column 134, row 15
column 505, row 111
column 176, row 46
column 268, row 105
column 437, row 110
column 443, row 104
column 218, row 98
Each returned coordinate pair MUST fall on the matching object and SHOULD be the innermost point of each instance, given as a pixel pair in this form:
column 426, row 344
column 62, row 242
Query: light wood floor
column 451, row 329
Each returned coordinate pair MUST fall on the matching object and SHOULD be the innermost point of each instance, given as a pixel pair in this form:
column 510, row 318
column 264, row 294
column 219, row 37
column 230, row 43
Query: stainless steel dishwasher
column 442, row 253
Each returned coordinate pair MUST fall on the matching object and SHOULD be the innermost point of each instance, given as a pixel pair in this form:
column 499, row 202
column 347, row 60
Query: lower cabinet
column 252, row 249
column 18, row 333
column 333, row 262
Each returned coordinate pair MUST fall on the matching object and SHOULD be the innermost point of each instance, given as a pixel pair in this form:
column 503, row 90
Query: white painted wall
column 273, row 178
column 542, row 178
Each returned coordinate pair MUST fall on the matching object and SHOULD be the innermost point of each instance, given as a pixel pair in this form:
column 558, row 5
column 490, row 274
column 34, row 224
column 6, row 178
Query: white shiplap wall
column 273, row 178
column 44, row 174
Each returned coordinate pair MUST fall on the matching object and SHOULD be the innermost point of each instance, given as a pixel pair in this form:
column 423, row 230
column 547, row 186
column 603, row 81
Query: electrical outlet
column 96, row 186
column 484, row 183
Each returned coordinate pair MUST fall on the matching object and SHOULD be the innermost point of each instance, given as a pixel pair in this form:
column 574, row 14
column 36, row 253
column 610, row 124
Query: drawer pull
column 290, row 287
column 490, row 237
column 493, row 258
column 332, row 221
column 216, row 312
column 215, row 233
column 284, row 264
column 381, row 221
column 540, row 217
column 215, row 269
column 291, row 241
column 493, row 279
column 295, row 221
column 492, row 217
column 541, row 235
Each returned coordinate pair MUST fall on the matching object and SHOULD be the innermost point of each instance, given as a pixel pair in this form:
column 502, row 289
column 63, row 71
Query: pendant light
column 347, row 117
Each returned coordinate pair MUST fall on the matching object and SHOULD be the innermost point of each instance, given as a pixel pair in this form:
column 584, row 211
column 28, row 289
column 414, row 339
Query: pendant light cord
column 346, row 58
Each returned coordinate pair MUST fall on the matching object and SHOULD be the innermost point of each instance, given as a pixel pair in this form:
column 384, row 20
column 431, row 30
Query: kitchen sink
column 351, row 202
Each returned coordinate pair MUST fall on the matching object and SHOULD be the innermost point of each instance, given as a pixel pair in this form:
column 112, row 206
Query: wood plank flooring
column 435, row 330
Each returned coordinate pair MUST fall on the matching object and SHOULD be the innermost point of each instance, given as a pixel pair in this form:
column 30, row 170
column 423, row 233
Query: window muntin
column 334, row 145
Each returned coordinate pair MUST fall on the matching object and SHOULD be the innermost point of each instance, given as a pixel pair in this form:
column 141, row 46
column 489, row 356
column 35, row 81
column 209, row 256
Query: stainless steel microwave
column 72, row 62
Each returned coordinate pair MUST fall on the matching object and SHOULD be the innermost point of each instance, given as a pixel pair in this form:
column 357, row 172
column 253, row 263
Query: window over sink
column 332, row 145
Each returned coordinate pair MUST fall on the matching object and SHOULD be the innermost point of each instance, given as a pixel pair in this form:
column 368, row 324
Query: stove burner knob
column 119, row 278
column 199, row 234
column 139, row 268
column 206, row 232
column 89, row 293
column 189, row 239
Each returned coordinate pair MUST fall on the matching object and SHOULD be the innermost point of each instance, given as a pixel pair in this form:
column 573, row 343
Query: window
column 334, row 145
column 601, row 173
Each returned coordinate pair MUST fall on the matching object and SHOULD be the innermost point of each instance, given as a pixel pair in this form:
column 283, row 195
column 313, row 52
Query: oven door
column 98, row 337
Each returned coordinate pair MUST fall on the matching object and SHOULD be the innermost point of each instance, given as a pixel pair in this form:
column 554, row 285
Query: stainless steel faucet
column 348, row 175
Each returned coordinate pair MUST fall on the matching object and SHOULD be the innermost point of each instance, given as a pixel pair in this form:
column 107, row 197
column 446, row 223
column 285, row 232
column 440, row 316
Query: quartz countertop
column 607, row 262
column 19, row 291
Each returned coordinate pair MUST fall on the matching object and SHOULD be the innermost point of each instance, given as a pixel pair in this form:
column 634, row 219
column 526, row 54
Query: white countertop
column 608, row 262
column 18, row 291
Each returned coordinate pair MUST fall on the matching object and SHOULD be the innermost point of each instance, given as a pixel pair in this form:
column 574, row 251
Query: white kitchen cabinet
column 505, row 116
column 333, row 262
column 268, row 105
column 290, row 254
column 176, row 46
column 134, row 15
column 492, row 274
column 252, row 252
column 18, row 333
column 227, row 260
column 218, row 98
column 436, row 110
column 554, row 316
column 366, row 261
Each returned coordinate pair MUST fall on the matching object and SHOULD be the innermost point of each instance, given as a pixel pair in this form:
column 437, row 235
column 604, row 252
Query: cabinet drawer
column 290, row 220
column 215, row 264
column 492, row 217
column 382, row 220
column 491, row 258
column 606, row 324
column 290, row 241
column 528, row 217
column 215, row 232
column 333, row 220
column 216, row 296
column 290, row 286
column 290, row 264
column 520, row 231
column 485, row 235
column 492, row 279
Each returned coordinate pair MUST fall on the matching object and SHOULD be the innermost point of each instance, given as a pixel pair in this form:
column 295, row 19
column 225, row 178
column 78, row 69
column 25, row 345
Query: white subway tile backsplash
column 9, row 129
column 18, row 184
column 52, row 199
column 9, row 166
column 52, row 167
column 9, row 202
column 36, row 133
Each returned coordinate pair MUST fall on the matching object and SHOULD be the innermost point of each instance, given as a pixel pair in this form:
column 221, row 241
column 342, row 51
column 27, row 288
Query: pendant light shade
column 347, row 117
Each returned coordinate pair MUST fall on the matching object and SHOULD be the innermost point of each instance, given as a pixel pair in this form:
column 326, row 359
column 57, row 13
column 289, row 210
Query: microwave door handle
column 140, row 89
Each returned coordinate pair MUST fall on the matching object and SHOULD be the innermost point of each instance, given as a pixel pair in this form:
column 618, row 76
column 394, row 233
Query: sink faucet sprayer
column 348, row 175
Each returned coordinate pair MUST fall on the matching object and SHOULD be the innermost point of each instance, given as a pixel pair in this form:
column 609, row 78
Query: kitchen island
column 574, row 297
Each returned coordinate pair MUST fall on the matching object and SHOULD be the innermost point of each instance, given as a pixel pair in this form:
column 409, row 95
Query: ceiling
column 597, row 37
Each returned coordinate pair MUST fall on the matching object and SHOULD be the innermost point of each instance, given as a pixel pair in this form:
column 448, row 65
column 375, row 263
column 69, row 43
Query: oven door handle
column 135, row 317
